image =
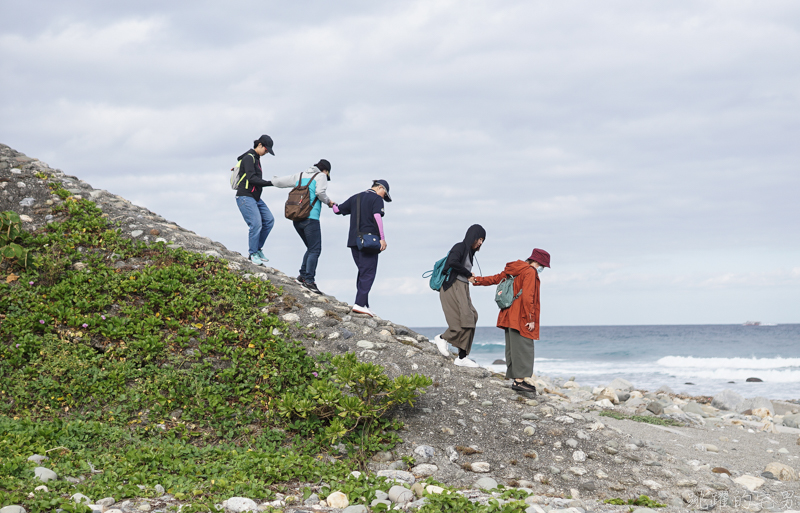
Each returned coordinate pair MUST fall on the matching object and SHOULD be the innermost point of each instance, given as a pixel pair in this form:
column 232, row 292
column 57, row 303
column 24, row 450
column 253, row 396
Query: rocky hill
column 569, row 447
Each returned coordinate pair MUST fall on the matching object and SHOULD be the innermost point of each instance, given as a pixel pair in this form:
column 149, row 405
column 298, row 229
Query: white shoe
column 363, row 310
column 465, row 362
column 441, row 344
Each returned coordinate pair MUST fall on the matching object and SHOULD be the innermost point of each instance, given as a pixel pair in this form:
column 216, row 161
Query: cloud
column 618, row 136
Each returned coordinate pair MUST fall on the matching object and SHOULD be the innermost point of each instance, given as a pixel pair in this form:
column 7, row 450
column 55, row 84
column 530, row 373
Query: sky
column 647, row 146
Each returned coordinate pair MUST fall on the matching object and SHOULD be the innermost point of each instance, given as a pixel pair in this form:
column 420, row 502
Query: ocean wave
column 673, row 362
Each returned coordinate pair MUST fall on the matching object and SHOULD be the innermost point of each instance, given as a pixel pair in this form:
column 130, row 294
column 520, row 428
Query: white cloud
column 620, row 137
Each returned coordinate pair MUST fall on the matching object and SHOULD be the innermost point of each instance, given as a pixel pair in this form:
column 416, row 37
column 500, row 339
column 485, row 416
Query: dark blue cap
column 385, row 185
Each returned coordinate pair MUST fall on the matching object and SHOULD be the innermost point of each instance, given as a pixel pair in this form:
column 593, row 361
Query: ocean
column 696, row 359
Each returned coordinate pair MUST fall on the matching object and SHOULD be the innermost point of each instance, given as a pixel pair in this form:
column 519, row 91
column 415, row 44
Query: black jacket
column 252, row 183
column 460, row 252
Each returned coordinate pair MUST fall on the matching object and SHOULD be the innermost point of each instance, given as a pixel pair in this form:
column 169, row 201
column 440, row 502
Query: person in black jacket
column 461, row 316
column 255, row 212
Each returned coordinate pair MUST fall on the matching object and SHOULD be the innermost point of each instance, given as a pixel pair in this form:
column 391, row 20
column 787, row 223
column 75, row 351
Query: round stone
column 240, row 504
column 424, row 451
column 400, row 495
column 338, row 500
column 44, row 474
column 486, row 483
column 424, row 470
column 480, row 467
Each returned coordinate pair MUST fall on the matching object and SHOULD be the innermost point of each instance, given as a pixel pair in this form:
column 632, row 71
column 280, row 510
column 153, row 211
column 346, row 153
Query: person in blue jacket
column 371, row 221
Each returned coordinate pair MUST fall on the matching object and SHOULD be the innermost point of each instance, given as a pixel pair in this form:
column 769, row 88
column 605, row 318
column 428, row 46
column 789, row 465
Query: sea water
column 697, row 360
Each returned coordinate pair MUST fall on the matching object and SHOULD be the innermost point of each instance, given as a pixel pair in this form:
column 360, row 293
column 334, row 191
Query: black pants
column 367, row 264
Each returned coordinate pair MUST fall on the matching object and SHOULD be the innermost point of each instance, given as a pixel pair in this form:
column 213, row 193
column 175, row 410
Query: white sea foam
column 728, row 363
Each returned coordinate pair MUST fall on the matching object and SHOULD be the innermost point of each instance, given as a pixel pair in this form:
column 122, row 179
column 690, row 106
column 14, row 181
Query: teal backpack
column 437, row 275
column 504, row 295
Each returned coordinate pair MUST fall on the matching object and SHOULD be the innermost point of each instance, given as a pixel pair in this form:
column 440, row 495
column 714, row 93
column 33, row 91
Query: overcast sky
column 650, row 147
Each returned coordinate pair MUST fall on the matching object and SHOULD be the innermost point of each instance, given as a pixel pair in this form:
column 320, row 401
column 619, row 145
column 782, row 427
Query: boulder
column 44, row 474
column 621, row 384
column 424, row 470
column 485, row 483
column 635, row 402
column 755, row 403
column 781, row 471
column 727, row 400
column 792, row 421
column 655, row 407
column 693, row 407
column 607, row 393
column 12, row 509
column 664, row 390
column 400, row 495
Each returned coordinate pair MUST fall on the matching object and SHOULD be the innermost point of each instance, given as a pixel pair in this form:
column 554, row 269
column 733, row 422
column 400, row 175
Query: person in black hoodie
column 255, row 212
column 454, row 295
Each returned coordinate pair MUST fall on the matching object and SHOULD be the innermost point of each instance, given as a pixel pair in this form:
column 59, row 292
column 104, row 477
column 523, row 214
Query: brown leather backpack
column 299, row 204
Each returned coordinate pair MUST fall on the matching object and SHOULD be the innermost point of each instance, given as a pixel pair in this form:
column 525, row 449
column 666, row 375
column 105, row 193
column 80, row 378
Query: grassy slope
column 167, row 374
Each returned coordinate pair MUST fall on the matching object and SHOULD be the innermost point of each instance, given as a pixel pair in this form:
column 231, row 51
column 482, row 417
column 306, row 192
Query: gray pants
column 461, row 316
column 519, row 355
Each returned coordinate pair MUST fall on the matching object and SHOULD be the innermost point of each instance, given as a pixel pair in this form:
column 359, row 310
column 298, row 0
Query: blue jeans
column 308, row 230
column 258, row 218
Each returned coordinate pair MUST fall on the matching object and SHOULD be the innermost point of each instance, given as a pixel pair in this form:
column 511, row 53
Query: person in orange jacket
column 520, row 320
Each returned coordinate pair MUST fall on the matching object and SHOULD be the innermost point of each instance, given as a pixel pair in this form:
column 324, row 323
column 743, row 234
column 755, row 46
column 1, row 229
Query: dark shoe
column 310, row 285
column 521, row 386
column 299, row 280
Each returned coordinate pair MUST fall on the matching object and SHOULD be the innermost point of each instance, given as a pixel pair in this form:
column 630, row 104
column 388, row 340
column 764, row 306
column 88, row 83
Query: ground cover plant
column 641, row 418
column 133, row 365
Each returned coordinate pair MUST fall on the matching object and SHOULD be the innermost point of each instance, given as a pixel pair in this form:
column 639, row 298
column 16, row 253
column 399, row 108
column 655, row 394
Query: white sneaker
column 441, row 345
column 465, row 362
column 363, row 310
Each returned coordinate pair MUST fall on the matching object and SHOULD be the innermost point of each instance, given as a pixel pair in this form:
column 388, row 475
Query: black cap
column 324, row 165
column 265, row 141
column 385, row 185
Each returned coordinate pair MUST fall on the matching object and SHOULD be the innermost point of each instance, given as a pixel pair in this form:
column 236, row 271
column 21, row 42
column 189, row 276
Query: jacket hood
column 474, row 233
column 518, row 267
column 253, row 152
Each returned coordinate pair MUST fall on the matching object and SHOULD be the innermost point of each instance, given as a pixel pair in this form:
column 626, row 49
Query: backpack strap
column 300, row 183
column 358, row 215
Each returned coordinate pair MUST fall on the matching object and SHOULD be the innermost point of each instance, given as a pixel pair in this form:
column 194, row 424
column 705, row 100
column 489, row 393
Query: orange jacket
column 525, row 308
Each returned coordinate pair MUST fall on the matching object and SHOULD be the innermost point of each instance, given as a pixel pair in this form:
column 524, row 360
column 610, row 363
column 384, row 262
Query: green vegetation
column 455, row 503
column 642, row 500
column 10, row 234
column 641, row 418
column 163, row 369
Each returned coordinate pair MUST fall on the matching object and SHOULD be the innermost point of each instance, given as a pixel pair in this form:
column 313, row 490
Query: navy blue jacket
column 371, row 204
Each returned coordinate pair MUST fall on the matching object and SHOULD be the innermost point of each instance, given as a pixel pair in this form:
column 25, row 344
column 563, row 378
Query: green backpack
column 504, row 295
column 437, row 275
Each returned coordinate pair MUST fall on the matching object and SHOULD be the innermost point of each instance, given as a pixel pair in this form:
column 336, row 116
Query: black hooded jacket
column 253, row 181
column 460, row 252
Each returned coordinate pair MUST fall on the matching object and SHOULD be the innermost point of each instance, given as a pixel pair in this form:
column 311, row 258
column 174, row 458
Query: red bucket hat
column 541, row 256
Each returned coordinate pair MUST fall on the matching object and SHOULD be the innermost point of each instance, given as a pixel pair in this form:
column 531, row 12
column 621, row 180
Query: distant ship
column 752, row 323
